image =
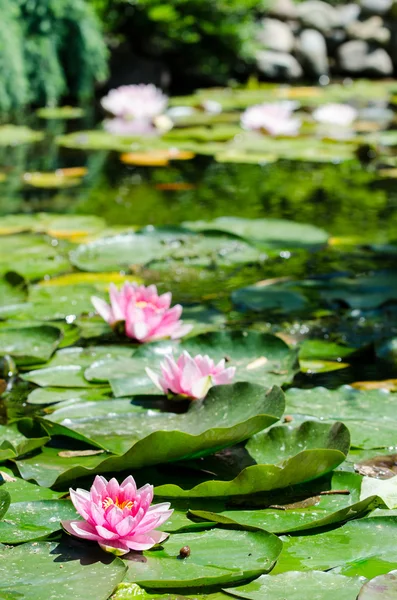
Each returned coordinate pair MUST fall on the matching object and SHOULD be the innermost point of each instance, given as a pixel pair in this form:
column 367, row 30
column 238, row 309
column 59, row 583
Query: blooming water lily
column 190, row 376
column 342, row 115
column 141, row 102
column 274, row 118
column 118, row 516
column 146, row 315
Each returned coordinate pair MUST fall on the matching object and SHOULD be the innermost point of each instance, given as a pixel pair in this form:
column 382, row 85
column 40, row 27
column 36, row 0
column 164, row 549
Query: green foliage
column 48, row 49
column 208, row 40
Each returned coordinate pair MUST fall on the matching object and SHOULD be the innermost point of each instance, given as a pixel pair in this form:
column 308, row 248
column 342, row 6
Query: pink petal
column 116, row 303
column 112, row 488
column 181, row 330
column 81, row 501
column 81, row 529
column 125, row 485
column 125, row 526
column 225, row 377
column 106, row 534
column 103, row 309
column 155, row 378
column 114, row 515
column 98, row 489
column 145, row 542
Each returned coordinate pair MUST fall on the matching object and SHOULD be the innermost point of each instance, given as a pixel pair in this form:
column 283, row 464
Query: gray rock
column 379, row 63
column 313, row 52
column 318, row 15
column 371, row 30
column 352, row 56
column 276, row 35
column 355, row 57
column 282, row 9
column 347, row 14
column 278, row 65
column 376, row 7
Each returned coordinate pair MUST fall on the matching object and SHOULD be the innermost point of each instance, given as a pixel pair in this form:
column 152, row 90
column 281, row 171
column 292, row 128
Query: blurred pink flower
column 190, row 376
column 275, row 119
column 147, row 316
column 143, row 101
column 342, row 115
column 118, row 516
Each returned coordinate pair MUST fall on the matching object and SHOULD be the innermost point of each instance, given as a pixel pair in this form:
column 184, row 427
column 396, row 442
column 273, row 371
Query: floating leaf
column 62, row 571
column 217, row 423
column 294, row 585
column 14, row 135
column 216, row 557
column 60, row 112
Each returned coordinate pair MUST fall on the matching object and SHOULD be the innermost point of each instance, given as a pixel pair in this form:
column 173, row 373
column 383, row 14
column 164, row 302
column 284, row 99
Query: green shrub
column 48, row 48
column 210, row 40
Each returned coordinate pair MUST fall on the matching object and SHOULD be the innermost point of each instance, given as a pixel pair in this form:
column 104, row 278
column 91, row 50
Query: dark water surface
column 351, row 201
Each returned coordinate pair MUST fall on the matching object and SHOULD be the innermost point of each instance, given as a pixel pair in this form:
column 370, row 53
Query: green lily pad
column 258, row 357
column 268, row 233
column 229, row 415
column 24, row 491
column 314, row 513
column 261, row 478
column 5, row 501
column 14, row 135
column 383, row 587
column 14, row 443
column 282, row 443
column 268, row 298
column 126, row 250
column 369, row 415
column 66, row 368
column 293, row 585
column 62, row 571
column 28, row 521
column 60, row 112
column 29, row 345
column 12, row 289
column 32, row 256
column 54, row 395
column 365, row 547
column 219, row 556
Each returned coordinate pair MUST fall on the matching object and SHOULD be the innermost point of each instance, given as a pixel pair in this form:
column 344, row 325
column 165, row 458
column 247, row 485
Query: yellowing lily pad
column 101, row 279
column 50, row 180
column 155, row 158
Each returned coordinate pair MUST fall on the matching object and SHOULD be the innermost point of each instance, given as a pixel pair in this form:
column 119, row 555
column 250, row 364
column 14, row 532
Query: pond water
column 282, row 253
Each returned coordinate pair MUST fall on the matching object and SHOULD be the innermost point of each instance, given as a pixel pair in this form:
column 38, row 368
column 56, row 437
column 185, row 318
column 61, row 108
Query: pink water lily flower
column 118, row 516
column 146, row 315
column 190, row 376
column 135, row 128
column 341, row 115
column 143, row 102
column 274, row 118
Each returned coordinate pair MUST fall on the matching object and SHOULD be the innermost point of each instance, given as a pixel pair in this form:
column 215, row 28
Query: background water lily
column 273, row 118
column 335, row 114
column 135, row 102
column 118, row 516
column 147, row 315
column 191, row 376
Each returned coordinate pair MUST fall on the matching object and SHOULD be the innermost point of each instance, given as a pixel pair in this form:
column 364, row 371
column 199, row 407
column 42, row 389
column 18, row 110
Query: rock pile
column 314, row 39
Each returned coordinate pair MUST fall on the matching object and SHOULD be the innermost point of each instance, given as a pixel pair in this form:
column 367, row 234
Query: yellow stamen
column 141, row 304
column 109, row 502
